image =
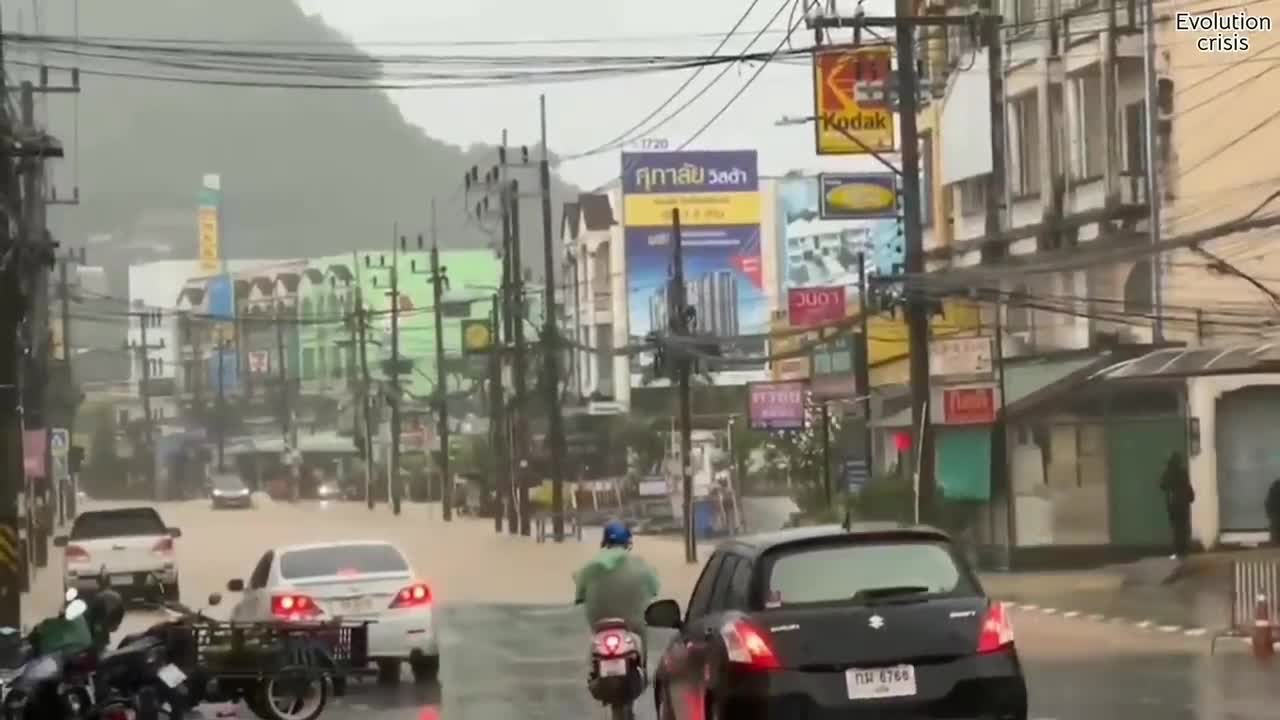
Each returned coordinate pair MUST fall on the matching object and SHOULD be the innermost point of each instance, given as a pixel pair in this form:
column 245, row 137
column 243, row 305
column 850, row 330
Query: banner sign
column 972, row 405
column 810, row 307
column 33, row 447
column 955, row 357
column 776, row 405
column 717, row 193
column 477, row 336
column 858, row 196
column 846, row 123
column 207, row 223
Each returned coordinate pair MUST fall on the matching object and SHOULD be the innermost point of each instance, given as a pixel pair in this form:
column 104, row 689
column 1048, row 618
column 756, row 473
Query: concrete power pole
column 550, row 342
column 142, row 350
column 439, row 282
column 679, row 311
column 394, row 491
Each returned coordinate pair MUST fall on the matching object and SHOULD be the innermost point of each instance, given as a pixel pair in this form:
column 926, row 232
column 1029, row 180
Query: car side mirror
column 663, row 614
column 236, row 585
column 60, row 541
column 215, row 599
column 175, row 532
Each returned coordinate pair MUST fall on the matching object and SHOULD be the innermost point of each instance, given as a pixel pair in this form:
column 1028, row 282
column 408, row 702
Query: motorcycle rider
column 617, row 584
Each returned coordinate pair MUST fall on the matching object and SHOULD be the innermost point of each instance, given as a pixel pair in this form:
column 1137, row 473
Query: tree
column 800, row 453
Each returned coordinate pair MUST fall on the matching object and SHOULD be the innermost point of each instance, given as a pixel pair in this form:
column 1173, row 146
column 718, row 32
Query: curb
column 1147, row 625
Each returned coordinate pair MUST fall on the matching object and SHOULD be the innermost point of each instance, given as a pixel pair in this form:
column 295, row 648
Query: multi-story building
column 1063, row 237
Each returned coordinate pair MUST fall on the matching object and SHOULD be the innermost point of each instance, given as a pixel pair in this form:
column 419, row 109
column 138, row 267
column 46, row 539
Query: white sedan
column 358, row 581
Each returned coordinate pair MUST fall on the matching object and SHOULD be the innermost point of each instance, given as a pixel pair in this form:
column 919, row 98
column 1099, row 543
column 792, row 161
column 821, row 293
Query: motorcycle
column 51, row 670
column 617, row 677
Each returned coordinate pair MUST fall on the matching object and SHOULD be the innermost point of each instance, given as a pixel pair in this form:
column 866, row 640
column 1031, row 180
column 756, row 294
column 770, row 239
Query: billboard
column 820, row 253
column 717, row 193
column 208, row 223
column 812, row 307
column 858, row 196
column 776, row 405
column 849, row 120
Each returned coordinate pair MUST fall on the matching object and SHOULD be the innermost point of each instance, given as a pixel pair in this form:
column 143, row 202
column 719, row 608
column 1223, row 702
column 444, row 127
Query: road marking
column 1170, row 628
column 1070, row 614
column 1048, row 610
column 1145, row 624
column 1194, row 632
column 1097, row 617
column 1030, row 607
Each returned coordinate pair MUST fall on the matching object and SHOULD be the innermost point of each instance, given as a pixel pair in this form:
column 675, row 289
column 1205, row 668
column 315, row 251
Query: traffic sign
column 855, row 474
column 59, row 442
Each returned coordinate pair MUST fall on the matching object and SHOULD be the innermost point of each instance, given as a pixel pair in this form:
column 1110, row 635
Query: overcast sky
column 584, row 115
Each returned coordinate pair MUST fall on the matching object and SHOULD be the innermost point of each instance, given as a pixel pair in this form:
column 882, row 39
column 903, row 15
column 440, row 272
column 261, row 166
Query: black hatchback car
column 874, row 621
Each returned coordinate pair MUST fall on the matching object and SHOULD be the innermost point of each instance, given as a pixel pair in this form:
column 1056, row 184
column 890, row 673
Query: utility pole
column 519, row 316
column 142, row 350
column 363, row 350
column 497, row 418
column 12, row 564
column 282, row 376
column 680, row 328
column 222, row 406
column 862, row 361
column 439, row 282
column 396, row 486
column 1152, row 107
column 71, row 390
column 550, row 342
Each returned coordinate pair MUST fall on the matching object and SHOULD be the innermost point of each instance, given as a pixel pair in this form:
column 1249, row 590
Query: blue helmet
column 616, row 534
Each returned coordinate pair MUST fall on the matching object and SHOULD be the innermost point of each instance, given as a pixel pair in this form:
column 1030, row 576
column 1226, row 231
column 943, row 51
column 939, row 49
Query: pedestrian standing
column 1175, row 482
column 1272, row 506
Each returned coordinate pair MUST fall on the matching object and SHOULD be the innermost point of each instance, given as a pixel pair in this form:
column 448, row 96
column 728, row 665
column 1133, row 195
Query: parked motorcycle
column 617, row 677
column 52, row 668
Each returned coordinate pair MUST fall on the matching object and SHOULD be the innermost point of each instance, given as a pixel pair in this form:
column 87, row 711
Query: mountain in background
column 304, row 172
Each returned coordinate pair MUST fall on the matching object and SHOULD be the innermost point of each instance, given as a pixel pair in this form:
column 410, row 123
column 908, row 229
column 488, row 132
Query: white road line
column 1194, row 632
column 1170, row 628
column 1097, row 617
column 1145, row 624
column 1029, row 607
column 1070, row 614
column 1048, row 610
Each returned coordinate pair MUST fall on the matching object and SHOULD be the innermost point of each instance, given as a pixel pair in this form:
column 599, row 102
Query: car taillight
column 997, row 631
column 164, row 547
column 294, row 607
column 748, row 646
column 412, row 596
column 76, row 553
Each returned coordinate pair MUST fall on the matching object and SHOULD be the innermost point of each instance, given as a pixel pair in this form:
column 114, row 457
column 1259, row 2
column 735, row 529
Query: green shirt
column 616, row 584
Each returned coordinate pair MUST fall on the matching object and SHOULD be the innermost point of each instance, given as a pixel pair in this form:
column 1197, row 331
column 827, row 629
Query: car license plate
column 121, row 580
column 885, row 682
column 613, row 668
column 355, row 607
column 170, row 675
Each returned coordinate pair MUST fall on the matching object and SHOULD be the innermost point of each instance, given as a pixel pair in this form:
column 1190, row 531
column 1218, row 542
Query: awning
column 1027, row 382
column 1172, row 363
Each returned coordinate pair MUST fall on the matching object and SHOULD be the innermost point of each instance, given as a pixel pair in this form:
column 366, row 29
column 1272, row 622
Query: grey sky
column 583, row 115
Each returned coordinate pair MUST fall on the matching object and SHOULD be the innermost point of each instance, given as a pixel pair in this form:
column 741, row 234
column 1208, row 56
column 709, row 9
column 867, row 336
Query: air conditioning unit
column 1018, row 344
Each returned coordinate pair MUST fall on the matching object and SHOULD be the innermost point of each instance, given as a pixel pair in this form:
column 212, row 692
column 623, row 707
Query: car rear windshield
column 853, row 571
column 342, row 560
column 228, row 482
column 117, row 523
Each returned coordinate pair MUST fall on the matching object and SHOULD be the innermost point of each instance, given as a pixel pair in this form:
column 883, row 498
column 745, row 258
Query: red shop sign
column 809, row 307
column 969, row 406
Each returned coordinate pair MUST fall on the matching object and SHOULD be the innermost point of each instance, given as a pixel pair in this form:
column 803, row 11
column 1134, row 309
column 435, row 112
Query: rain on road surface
column 513, row 648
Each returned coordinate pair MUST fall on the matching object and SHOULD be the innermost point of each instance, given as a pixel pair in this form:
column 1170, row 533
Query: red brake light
column 294, row 607
column 76, row 553
column 163, row 547
column 745, row 645
column 413, row 596
column 612, row 644
column 997, row 631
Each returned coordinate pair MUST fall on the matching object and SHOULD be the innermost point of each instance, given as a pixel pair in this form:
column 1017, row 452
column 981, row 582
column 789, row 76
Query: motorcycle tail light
column 612, row 644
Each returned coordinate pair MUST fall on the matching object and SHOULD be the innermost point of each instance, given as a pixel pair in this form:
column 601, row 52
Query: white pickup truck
column 131, row 546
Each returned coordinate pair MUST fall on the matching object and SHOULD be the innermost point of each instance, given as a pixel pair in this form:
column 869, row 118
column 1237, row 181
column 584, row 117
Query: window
column 973, row 195
column 850, row 571
column 701, row 598
column 720, row 595
column 1024, row 146
column 1086, row 133
column 342, row 560
column 261, row 571
column 740, row 587
column 118, row 523
column 1135, row 138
